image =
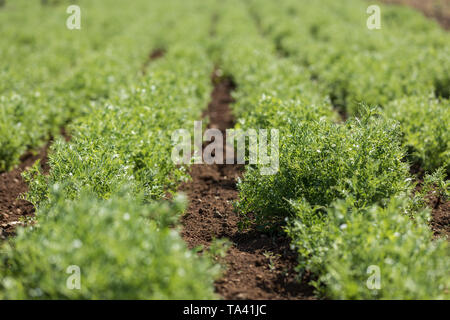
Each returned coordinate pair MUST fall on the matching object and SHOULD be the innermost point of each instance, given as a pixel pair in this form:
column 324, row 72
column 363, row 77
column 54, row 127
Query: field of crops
column 350, row 201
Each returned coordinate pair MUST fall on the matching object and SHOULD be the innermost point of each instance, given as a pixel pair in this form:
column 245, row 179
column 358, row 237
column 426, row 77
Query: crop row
column 342, row 193
column 402, row 67
column 100, row 210
column 50, row 75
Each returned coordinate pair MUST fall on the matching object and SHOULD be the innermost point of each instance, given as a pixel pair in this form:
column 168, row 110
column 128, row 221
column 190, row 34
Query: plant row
column 50, row 75
column 402, row 67
column 342, row 193
column 102, row 230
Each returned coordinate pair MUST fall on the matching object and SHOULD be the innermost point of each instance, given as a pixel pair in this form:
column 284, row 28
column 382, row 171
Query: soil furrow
column 154, row 55
column 258, row 266
column 12, row 186
column 440, row 217
column 13, row 209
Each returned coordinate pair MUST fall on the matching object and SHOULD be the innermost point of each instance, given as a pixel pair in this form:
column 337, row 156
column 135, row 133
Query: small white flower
column 76, row 244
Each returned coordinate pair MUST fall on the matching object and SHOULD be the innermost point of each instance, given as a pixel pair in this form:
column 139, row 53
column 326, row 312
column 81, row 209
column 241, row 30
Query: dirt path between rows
column 440, row 222
column 12, row 186
column 154, row 55
column 258, row 266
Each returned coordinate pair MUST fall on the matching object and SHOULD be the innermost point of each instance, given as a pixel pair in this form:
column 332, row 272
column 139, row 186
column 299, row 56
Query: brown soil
column 440, row 222
column 440, row 208
column 437, row 9
column 13, row 210
column 12, row 186
column 154, row 55
column 257, row 266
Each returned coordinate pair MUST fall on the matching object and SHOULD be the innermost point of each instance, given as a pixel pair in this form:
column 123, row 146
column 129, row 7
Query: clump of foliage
column 341, row 243
column 125, row 250
column 424, row 123
column 321, row 161
column 437, row 183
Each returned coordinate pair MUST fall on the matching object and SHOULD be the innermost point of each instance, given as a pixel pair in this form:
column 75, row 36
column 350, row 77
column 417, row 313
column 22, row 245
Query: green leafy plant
column 424, row 123
column 125, row 250
column 343, row 193
column 402, row 67
column 218, row 248
column 321, row 162
column 345, row 241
